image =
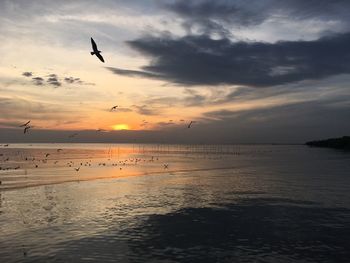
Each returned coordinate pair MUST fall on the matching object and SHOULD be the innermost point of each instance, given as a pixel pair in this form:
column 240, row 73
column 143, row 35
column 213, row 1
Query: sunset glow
column 118, row 127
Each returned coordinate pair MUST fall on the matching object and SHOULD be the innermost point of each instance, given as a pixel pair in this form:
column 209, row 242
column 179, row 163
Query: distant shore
column 336, row 143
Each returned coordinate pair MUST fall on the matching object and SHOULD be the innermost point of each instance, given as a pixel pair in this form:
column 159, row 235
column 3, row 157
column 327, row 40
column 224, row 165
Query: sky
column 259, row 71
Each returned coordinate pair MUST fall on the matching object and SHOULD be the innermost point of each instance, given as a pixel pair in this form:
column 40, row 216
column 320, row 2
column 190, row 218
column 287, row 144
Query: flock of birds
column 45, row 158
column 53, row 158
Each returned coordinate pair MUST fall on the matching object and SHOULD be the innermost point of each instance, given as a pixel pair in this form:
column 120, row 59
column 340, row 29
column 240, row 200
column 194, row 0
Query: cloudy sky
column 253, row 71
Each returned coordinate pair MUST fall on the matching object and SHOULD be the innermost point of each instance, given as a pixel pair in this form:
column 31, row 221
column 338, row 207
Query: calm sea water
column 173, row 203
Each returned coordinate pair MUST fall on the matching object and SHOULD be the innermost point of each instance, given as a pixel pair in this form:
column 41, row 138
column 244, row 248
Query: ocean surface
column 173, row 203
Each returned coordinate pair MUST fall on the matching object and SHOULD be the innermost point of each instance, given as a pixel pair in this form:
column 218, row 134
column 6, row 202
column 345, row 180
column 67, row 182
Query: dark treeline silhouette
column 337, row 143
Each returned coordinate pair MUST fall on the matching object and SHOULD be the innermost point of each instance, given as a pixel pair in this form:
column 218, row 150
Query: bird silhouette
column 189, row 125
column 25, row 124
column 96, row 51
column 26, row 129
column 114, row 108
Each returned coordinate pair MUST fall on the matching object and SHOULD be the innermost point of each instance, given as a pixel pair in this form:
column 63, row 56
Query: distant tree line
column 337, row 143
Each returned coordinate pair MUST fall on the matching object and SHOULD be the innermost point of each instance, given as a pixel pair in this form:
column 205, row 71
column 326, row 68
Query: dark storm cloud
column 27, row 74
column 201, row 60
column 247, row 13
column 230, row 11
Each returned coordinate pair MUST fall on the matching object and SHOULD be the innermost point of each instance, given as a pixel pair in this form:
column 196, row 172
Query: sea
column 173, row 203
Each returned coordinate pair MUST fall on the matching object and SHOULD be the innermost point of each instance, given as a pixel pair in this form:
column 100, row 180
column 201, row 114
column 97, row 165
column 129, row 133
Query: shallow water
column 212, row 204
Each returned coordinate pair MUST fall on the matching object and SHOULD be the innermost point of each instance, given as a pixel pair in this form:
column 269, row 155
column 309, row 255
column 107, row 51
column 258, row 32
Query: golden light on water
column 118, row 127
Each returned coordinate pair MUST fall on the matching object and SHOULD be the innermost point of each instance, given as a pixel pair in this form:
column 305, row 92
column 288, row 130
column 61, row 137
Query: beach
column 173, row 203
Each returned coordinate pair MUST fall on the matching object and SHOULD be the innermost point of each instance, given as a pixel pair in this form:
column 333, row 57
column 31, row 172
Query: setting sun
column 118, row 127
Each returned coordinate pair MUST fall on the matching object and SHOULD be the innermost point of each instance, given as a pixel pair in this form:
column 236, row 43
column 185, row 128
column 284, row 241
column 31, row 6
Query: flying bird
column 25, row 124
column 189, row 125
column 114, row 108
column 96, row 51
column 26, row 129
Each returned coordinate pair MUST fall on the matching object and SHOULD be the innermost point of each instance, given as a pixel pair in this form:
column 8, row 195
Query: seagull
column 47, row 155
column 58, row 150
column 26, row 129
column 96, row 51
column 25, row 124
column 77, row 169
column 189, row 125
column 114, row 108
